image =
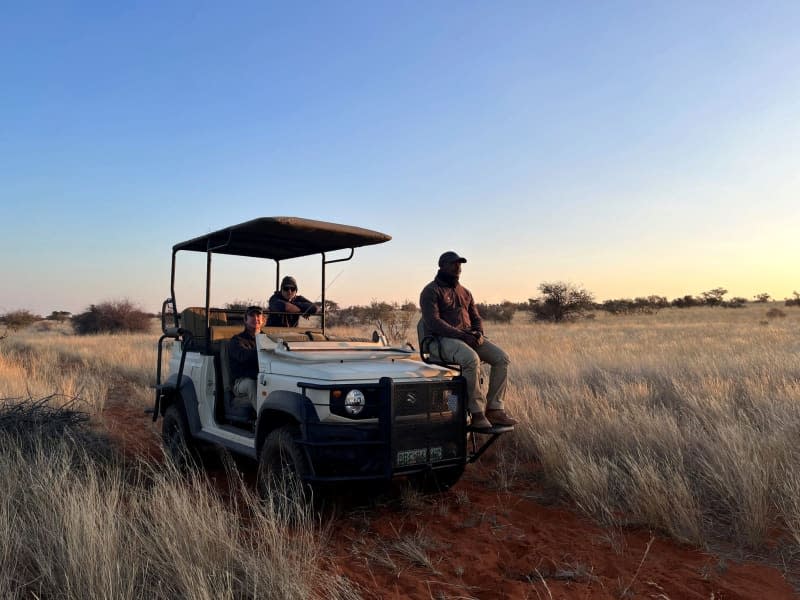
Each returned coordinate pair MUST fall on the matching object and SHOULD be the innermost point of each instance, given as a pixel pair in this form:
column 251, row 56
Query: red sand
column 482, row 543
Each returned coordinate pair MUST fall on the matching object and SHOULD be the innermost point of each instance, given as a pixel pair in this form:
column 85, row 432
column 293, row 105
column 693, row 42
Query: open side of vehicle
column 327, row 409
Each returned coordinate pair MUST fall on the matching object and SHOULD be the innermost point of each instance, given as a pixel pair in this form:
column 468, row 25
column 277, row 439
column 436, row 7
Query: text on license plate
column 417, row 456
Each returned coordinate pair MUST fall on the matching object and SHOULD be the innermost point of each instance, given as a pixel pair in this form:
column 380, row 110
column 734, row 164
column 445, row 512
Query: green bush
column 111, row 317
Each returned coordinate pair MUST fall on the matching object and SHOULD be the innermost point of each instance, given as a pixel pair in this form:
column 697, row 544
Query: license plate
column 417, row 456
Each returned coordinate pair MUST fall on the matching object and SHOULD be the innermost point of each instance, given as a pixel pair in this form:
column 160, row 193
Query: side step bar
column 494, row 432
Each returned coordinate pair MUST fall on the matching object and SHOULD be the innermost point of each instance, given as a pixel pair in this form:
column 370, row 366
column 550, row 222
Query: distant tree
column 617, row 306
column 111, row 317
column 687, row 301
column 793, row 301
column 736, row 302
column 560, row 301
column 18, row 319
column 59, row 316
column 240, row 304
column 763, row 297
column 714, row 297
column 393, row 320
column 349, row 316
column 643, row 304
column 657, row 302
column 649, row 304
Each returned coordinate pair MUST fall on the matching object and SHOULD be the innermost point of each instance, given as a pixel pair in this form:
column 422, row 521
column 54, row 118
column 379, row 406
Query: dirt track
column 478, row 542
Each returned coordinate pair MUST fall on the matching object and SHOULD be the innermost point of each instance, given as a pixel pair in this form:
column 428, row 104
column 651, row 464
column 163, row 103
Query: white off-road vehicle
column 328, row 409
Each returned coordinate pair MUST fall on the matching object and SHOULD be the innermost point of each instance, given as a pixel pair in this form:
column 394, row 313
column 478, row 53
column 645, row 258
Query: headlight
column 354, row 402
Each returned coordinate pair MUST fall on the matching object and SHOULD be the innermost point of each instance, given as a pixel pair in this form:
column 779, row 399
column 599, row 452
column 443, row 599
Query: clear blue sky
column 631, row 147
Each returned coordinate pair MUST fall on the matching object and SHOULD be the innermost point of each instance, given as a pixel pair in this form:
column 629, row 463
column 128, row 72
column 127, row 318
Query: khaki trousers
column 244, row 387
column 453, row 351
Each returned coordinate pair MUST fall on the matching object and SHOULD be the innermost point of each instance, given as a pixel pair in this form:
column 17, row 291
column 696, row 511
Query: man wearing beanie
column 449, row 314
column 286, row 306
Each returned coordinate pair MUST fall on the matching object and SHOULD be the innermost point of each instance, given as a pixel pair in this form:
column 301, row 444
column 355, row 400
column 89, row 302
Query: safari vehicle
column 328, row 409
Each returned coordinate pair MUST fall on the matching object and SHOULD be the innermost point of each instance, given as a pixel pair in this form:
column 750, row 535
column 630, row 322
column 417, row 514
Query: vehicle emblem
column 411, row 398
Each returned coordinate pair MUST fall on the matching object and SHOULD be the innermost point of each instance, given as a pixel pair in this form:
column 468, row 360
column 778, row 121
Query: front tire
column 177, row 440
column 282, row 467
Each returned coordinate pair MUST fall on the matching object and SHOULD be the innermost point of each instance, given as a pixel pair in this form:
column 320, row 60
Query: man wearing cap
column 286, row 305
column 243, row 356
column 449, row 314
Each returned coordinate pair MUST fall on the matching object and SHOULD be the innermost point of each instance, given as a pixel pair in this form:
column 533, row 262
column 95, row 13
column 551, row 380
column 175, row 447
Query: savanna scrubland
column 681, row 423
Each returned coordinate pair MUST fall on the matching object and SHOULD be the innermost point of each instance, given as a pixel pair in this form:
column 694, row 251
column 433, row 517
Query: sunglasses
column 289, row 288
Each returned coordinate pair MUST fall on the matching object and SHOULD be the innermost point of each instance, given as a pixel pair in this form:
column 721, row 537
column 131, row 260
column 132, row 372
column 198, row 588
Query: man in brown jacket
column 449, row 314
column 243, row 356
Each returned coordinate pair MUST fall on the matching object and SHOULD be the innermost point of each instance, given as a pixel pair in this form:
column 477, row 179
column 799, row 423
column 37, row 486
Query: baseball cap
column 450, row 257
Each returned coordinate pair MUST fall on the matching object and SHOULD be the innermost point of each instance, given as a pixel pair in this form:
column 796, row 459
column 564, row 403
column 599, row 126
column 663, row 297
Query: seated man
column 243, row 356
column 450, row 315
column 286, row 306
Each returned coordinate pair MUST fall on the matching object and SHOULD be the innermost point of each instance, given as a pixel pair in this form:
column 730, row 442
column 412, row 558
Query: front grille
column 428, row 423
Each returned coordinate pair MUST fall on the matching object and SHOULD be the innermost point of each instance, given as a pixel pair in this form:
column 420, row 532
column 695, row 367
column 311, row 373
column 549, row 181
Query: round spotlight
column 354, row 402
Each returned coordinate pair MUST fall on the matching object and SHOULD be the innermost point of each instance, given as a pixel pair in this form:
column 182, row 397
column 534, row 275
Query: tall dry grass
column 76, row 524
column 48, row 358
column 686, row 421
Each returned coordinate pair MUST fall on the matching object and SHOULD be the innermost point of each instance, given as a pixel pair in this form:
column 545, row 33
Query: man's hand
column 472, row 338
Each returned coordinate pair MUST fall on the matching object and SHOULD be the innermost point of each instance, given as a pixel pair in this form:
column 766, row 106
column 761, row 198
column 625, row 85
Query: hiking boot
column 479, row 421
column 499, row 418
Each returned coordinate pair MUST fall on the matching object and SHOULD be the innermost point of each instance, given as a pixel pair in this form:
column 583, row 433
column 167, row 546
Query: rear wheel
column 177, row 440
column 282, row 465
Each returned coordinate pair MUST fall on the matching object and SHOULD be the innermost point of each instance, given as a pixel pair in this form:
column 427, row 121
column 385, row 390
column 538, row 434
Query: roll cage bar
column 276, row 238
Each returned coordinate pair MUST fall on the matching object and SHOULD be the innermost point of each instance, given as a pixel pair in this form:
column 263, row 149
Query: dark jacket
column 277, row 305
column 449, row 310
column 243, row 355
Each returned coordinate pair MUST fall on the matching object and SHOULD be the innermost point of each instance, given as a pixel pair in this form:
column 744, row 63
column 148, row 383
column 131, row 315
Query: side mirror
column 167, row 310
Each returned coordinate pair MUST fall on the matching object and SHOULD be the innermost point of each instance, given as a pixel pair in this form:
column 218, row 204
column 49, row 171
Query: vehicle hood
column 341, row 368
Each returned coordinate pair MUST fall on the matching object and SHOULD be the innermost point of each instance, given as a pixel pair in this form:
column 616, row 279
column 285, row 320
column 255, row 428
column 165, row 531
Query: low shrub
column 111, row 317
column 498, row 313
column 18, row 319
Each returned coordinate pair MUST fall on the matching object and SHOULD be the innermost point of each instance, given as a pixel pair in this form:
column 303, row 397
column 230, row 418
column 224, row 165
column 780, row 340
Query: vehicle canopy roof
column 282, row 238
